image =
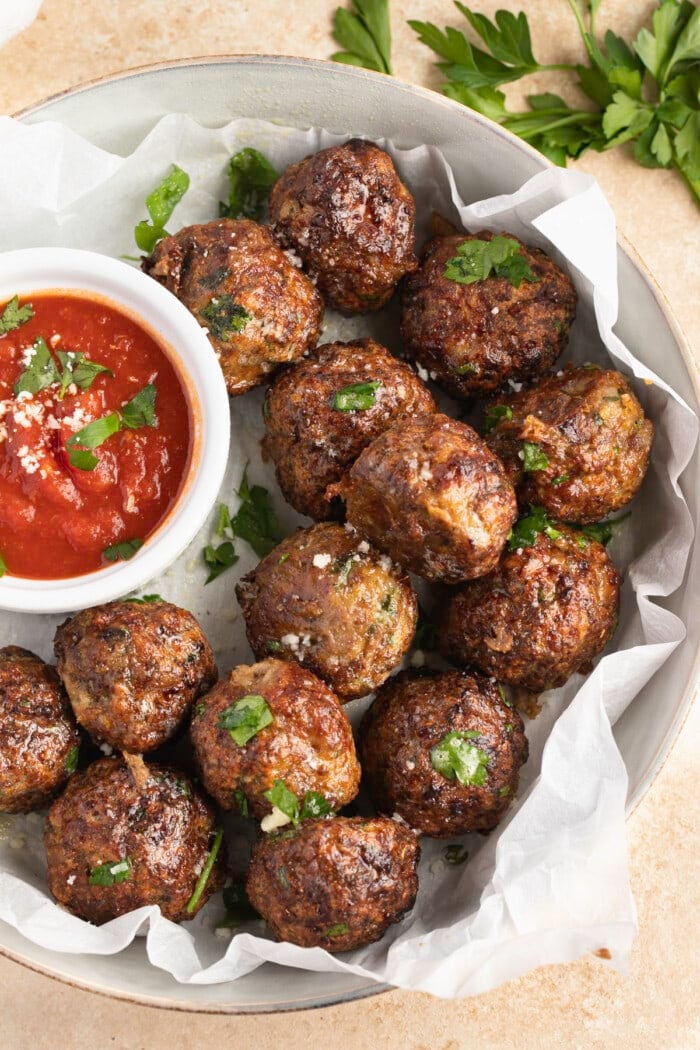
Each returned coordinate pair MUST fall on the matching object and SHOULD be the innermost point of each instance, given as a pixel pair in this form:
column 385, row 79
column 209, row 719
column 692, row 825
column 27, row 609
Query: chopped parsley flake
column 494, row 415
column 14, row 315
column 160, row 204
column 71, row 763
column 525, row 531
column 339, row 930
column 224, row 316
column 111, row 872
column 456, row 757
column 245, row 718
column 455, row 854
column 358, row 397
column 206, row 871
column 476, row 260
column 122, row 551
column 251, row 177
column 533, row 458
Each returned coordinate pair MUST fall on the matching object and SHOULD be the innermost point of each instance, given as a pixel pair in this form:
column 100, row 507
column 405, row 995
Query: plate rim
column 692, row 691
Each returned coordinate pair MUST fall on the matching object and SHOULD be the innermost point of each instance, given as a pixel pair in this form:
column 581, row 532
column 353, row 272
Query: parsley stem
column 206, row 872
column 580, row 117
column 573, row 4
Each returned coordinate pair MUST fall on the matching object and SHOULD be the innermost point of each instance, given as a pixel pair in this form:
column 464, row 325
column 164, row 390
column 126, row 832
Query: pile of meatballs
column 495, row 522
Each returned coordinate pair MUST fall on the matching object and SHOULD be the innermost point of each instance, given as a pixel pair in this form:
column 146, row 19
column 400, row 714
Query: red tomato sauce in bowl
column 95, row 435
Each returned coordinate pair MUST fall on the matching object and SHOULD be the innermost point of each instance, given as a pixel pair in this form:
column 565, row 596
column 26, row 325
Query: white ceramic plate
column 116, row 114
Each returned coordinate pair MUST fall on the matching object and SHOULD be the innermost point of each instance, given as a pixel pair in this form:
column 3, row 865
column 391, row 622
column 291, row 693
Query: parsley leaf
column 255, row 520
column 245, row 718
column 76, row 368
column 251, row 177
column 71, row 763
column 219, row 559
column 122, row 551
column 111, row 872
column 160, row 204
column 476, row 260
column 338, row 930
column 533, row 458
column 364, row 33
column 455, row 854
column 145, row 599
column 14, row 315
column 41, row 371
column 456, row 756
column 313, row 806
column 357, row 397
column 139, row 412
column 526, row 530
column 205, row 874
column 224, row 316
column 603, row 531
column 494, row 415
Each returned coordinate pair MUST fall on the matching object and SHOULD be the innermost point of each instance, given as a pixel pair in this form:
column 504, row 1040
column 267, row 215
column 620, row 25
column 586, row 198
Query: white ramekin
column 34, row 270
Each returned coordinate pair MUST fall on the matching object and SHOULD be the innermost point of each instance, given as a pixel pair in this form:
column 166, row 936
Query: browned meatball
column 112, row 847
column 133, row 670
column 578, row 443
column 299, row 734
column 39, row 739
column 336, row 884
column 324, row 597
column 320, row 415
column 430, row 493
column 258, row 309
column 474, row 337
column 543, row 614
column 443, row 750
column 351, row 220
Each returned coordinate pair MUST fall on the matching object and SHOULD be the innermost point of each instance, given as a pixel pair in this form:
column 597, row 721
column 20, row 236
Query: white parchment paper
column 552, row 883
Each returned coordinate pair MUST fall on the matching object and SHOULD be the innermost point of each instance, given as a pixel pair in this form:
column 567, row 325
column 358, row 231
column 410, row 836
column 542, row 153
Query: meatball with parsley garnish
column 258, row 309
column 577, row 443
column 336, row 884
column 325, row 598
column 113, row 846
column 132, row 670
column 543, row 614
column 39, row 739
column 484, row 309
column 345, row 212
column 321, row 414
column 443, row 750
column 432, row 495
column 273, row 721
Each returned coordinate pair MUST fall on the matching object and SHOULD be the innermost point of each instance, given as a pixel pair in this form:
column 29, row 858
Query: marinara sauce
column 56, row 519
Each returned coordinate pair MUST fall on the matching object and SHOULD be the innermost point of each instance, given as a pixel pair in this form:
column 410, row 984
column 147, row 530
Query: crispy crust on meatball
column 351, row 220
column 411, row 714
column 430, row 493
column 325, row 598
column 472, row 338
column 542, row 615
column 336, row 884
column 311, row 442
column 132, row 670
column 164, row 831
column 258, row 308
column 308, row 744
column 38, row 735
column 594, row 435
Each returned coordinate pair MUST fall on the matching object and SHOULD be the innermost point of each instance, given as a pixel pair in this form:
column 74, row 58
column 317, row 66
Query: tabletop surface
column 584, row 1004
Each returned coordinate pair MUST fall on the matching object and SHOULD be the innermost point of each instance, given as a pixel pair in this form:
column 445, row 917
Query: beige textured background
column 584, row 1005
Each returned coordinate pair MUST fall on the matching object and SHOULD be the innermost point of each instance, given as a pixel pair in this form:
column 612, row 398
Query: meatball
column 39, row 739
column 543, row 614
column 351, row 220
column 473, row 338
column 298, row 730
column 578, row 443
column 320, row 415
column 443, row 750
column 258, row 309
column 132, row 670
column 336, row 884
column 324, row 597
column 112, row 847
column 430, row 493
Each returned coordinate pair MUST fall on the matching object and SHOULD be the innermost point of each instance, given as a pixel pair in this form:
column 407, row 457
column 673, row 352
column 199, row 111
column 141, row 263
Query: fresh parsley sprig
column 477, row 259
column 364, row 33
column 255, row 522
column 42, row 371
column 313, row 806
column 160, row 204
column 647, row 93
